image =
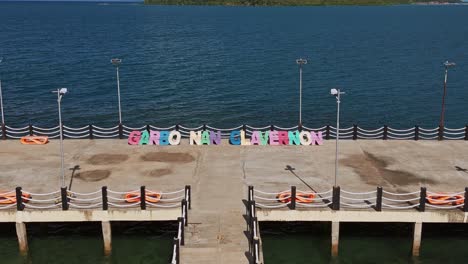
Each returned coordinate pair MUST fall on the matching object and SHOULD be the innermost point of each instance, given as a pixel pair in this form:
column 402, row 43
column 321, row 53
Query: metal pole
column 118, row 91
column 59, row 98
column 1, row 99
column 1, row 103
column 337, row 133
column 442, row 113
column 300, row 94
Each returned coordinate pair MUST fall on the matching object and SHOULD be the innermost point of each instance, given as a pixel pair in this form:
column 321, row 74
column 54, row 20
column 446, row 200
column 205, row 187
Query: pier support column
column 107, row 236
column 417, row 239
column 335, row 237
column 22, row 238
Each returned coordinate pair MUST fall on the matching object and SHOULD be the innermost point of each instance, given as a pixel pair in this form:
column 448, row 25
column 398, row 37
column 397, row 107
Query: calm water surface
column 387, row 243
column 142, row 243
column 231, row 65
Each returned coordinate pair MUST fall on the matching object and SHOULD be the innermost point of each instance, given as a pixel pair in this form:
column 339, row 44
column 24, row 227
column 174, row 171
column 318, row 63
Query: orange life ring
column 10, row 198
column 133, row 197
column 443, row 199
column 285, row 197
column 34, row 140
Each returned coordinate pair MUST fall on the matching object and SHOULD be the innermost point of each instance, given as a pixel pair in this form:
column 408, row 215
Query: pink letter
column 255, row 139
column 317, row 138
column 274, row 138
column 134, row 138
column 154, row 138
column 283, row 137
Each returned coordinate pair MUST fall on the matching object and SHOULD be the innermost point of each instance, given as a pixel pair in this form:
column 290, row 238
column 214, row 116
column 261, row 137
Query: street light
column 1, row 99
column 116, row 62
column 447, row 65
column 301, row 62
column 337, row 93
column 60, row 92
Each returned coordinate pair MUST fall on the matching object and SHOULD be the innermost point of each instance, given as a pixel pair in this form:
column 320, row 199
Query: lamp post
column 1, row 99
column 337, row 93
column 447, row 65
column 60, row 92
column 300, row 62
column 116, row 62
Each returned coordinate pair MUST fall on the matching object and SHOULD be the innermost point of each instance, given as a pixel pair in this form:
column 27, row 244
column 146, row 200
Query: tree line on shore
column 290, row 2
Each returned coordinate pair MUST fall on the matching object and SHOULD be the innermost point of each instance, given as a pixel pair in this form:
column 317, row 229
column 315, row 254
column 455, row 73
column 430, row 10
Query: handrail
column 353, row 132
column 377, row 199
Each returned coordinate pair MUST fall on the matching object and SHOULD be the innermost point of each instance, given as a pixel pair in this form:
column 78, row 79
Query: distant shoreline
column 300, row 2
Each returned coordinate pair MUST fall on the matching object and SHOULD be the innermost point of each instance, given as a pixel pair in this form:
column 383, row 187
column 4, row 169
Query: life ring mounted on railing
column 134, row 197
column 301, row 197
column 445, row 199
column 34, row 140
column 10, row 198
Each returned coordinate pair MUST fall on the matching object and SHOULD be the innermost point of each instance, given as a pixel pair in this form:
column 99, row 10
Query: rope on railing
column 273, row 206
column 85, row 206
column 358, row 193
column 106, row 128
column 400, row 207
column 445, row 206
column 50, row 129
column 41, row 194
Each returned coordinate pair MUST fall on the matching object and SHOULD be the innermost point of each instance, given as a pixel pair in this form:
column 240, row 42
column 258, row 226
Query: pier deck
column 219, row 176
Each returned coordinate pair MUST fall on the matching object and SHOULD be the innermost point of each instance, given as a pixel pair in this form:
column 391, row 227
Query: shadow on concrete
column 291, row 169
column 74, row 169
column 461, row 169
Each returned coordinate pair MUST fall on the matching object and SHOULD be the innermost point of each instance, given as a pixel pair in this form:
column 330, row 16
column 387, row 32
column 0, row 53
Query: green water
column 70, row 244
column 361, row 243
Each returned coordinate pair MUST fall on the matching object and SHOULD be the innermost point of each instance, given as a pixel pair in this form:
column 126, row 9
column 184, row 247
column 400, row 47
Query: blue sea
column 227, row 66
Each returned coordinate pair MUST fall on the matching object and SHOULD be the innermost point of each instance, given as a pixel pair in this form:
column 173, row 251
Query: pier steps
column 215, row 233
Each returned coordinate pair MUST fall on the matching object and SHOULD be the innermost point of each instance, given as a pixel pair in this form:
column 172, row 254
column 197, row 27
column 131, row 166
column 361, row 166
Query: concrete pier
column 335, row 237
column 22, row 237
column 219, row 176
column 417, row 239
column 107, row 237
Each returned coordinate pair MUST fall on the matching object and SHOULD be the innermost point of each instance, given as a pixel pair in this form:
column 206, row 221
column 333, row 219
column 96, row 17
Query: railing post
column 182, row 227
column 336, row 198
column 19, row 199
column 121, row 131
column 185, row 211
column 148, row 128
column 177, row 251
column 90, row 127
column 465, row 202
column 293, row 198
column 327, row 132
column 143, row 198
column 105, row 204
column 466, row 132
column 204, row 127
column 416, row 132
column 272, row 127
column 31, row 130
column 299, row 127
column 385, row 132
column 64, row 196
column 4, row 133
column 177, row 127
column 422, row 200
column 441, row 132
column 250, row 193
column 188, row 195
column 256, row 250
column 354, row 132
column 378, row 203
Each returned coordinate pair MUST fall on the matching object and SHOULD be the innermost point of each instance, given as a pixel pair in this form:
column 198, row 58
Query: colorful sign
column 236, row 137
